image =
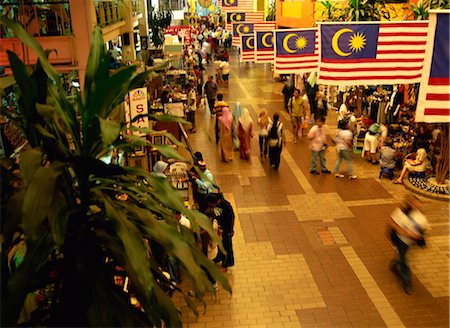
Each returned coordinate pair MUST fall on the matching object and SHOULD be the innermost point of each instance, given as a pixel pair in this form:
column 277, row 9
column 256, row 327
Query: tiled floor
column 312, row 251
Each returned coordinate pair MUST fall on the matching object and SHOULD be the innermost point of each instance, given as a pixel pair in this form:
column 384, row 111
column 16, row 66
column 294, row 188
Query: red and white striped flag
column 433, row 104
column 296, row 51
column 251, row 17
column 264, row 46
column 246, row 27
column 236, row 5
column 372, row 52
column 248, row 48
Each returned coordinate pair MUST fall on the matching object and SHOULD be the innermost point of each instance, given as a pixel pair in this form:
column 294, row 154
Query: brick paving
column 312, row 251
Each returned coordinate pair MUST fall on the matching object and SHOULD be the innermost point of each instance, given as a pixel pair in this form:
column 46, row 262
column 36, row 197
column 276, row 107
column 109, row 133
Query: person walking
column 276, row 141
column 245, row 133
column 318, row 145
column 288, row 91
column 210, row 91
column 296, row 108
column 237, row 113
column 344, row 145
column 408, row 227
column 263, row 136
column 191, row 105
column 226, row 137
column 217, row 110
column 221, row 210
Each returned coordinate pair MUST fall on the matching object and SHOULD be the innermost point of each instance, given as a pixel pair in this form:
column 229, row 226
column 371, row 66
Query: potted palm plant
column 77, row 231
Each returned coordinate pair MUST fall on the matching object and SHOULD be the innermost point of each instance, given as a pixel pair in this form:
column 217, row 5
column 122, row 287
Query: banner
column 372, row 52
column 433, row 104
column 138, row 106
column 249, row 28
column 251, row 17
column 265, row 47
column 248, row 48
column 296, row 51
column 237, row 5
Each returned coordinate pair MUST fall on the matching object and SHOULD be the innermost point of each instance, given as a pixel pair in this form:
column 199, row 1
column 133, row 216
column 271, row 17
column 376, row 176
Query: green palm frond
column 77, row 232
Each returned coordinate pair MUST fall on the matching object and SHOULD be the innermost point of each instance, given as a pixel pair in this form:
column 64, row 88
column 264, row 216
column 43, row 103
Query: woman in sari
column 226, row 138
column 245, row 133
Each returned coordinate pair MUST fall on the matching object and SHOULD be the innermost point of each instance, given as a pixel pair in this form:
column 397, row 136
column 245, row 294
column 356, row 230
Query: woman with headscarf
column 159, row 168
column 225, row 132
column 245, row 133
column 237, row 113
column 263, row 121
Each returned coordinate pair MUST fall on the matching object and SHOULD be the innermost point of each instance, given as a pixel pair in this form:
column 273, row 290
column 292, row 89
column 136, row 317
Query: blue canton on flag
column 229, row 3
column 295, row 42
column 242, row 28
column 235, row 17
column 349, row 41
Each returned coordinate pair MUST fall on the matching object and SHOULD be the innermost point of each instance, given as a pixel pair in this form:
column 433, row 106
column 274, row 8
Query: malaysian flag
column 249, row 28
column 237, row 5
column 372, row 52
column 251, row 17
column 248, row 48
column 265, row 49
column 296, row 51
column 433, row 104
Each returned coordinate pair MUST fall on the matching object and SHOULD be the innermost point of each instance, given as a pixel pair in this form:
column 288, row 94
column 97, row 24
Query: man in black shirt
column 221, row 210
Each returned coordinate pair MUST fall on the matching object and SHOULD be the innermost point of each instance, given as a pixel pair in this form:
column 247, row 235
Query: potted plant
column 77, row 231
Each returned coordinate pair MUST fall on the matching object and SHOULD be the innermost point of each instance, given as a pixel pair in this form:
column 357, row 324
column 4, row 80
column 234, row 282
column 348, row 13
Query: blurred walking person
column 408, row 228
column 245, row 133
column 276, row 141
column 226, row 135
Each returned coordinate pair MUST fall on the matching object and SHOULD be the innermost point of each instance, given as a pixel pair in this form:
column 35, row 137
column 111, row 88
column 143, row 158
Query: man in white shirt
column 225, row 67
column 318, row 145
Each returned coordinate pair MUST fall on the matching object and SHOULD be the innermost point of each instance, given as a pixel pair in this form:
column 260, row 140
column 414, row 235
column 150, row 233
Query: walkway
column 312, row 251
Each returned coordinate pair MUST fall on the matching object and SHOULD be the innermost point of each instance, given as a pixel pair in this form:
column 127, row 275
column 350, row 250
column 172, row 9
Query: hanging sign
column 139, row 106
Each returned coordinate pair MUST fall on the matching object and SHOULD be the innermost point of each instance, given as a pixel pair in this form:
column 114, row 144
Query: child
column 387, row 157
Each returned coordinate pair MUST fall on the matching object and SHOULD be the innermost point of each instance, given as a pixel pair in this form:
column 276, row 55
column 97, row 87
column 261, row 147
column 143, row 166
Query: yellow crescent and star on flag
column 300, row 43
column 235, row 17
column 228, row 3
column 264, row 41
column 248, row 42
column 242, row 29
column 356, row 43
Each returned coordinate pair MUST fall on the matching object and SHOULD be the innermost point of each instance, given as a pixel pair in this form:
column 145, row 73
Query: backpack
column 273, row 135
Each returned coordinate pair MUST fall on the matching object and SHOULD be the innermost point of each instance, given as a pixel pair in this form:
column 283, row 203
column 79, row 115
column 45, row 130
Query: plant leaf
column 110, row 131
column 169, row 152
column 30, row 161
column 19, row 283
column 37, row 201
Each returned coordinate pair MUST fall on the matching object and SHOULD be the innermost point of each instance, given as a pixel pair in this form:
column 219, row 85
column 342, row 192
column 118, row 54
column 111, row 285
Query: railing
column 136, row 7
column 39, row 18
column 108, row 12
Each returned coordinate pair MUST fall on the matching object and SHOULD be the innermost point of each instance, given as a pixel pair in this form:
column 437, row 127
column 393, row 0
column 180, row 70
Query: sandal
column 398, row 182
